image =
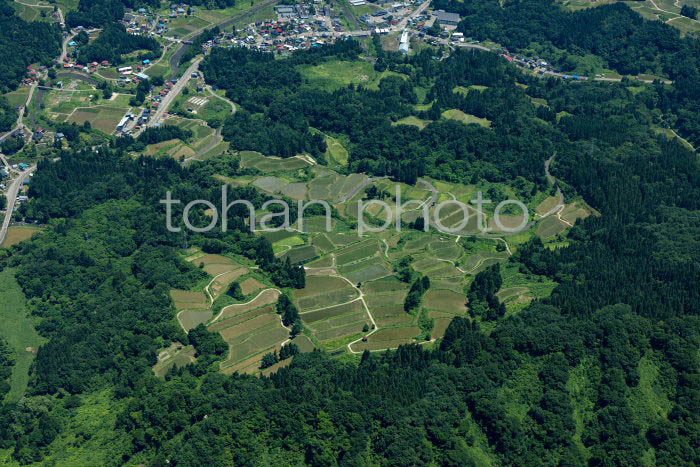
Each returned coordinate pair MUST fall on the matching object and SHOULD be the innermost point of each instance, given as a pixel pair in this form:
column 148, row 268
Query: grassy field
column 411, row 120
column 18, row 331
column 460, row 116
column 18, row 234
column 186, row 25
column 33, row 13
column 176, row 355
column 17, row 97
column 101, row 117
column 336, row 74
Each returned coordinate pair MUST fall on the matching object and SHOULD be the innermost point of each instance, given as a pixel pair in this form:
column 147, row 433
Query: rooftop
column 445, row 16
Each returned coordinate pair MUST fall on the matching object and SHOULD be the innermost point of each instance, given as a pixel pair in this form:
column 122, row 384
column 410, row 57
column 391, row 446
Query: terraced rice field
column 384, row 285
column 547, row 205
column 385, row 299
column 266, row 297
column 445, row 249
column 550, row 226
column 367, row 270
column 251, row 285
column 323, row 242
column 249, row 341
column 332, row 312
column 324, row 291
column 446, row 301
column 301, row 254
column 318, row 224
column 190, row 319
column 252, row 159
column 186, row 299
column 388, row 338
column 357, row 252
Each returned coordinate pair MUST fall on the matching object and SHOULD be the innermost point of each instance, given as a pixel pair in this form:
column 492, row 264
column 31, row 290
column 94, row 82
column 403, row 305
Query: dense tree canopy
column 602, row 372
column 113, row 42
column 23, row 43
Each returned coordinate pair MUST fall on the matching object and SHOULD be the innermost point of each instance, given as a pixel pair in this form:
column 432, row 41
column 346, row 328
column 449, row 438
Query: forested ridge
column 603, row 372
column 24, row 43
column 625, row 40
column 113, row 42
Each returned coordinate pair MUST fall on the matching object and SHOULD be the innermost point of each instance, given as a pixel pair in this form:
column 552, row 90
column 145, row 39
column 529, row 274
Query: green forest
column 23, row 43
column 605, row 371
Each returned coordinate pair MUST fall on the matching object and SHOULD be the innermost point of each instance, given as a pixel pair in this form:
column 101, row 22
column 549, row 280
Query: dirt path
column 364, row 304
column 359, row 187
column 279, row 292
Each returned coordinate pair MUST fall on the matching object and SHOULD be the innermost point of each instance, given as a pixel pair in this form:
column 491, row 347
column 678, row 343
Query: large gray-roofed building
column 448, row 19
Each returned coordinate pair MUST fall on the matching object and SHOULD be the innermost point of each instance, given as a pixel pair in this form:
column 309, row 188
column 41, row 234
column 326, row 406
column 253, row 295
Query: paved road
column 523, row 65
column 64, row 53
column 18, row 123
column 11, row 198
column 175, row 59
column 174, row 92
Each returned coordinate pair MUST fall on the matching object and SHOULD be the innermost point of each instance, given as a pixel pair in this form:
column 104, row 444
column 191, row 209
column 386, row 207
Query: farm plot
column 318, row 224
column 301, row 254
column 251, row 285
column 440, row 325
column 453, row 217
column 350, row 182
column 386, row 304
column 220, row 325
column 294, row 190
column 324, row 291
column 185, row 25
column 176, row 355
column 508, row 293
column 254, row 340
column 253, row 159
column 101, row 117
column 480, row 261
column 220, row 284
column 444, row 249
column 344, row 330
column 445, row 301
column 550, row 226
column 367, row 270
column 455, row 114
column 388, row 338
column 321, row 187
column 266, row 297
column 278, row 235
column 358, row 252
column 188, row 300
column 190, row 319
column 312, row 317
column 18, row 234
column 323, row 243
column 574, row 211
column 341, row 239
column 547, row 205
column 17, row 97
column 269, row 184
column 389, row 284
column 419, row 242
